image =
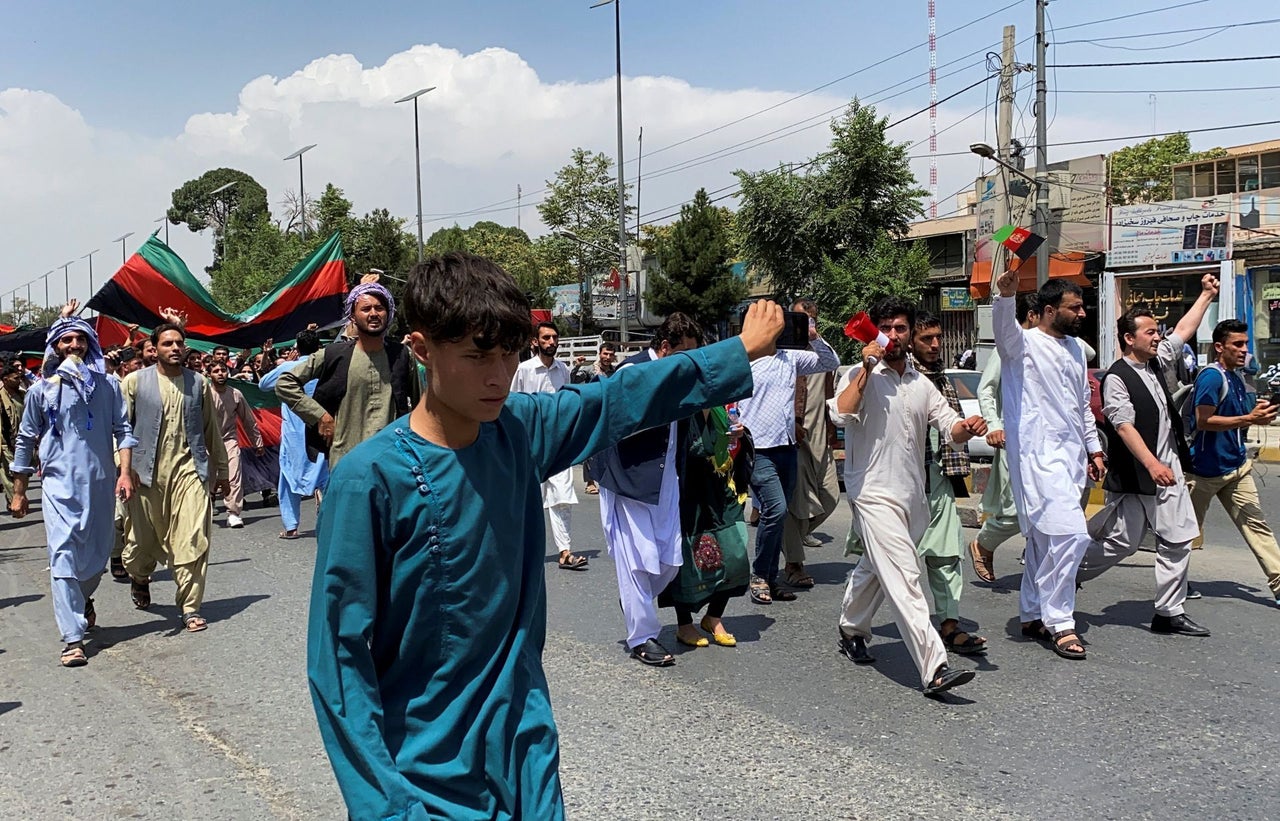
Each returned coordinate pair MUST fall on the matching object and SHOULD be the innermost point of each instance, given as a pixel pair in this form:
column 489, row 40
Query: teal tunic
column 428, row 609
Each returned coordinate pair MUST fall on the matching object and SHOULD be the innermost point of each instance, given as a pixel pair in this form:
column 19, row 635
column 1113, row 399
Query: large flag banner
column 155, row 278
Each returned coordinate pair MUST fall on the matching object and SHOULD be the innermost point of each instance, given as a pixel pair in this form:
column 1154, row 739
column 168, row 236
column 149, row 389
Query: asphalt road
column 218, row 725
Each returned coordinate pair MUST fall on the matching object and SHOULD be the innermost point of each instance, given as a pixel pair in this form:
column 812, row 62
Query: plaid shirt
column 954, row 461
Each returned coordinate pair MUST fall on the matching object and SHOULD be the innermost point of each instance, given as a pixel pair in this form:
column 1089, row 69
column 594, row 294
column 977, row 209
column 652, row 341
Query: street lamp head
column 219, row 189
column 123, row 237
column 91, row 253
column 415, row 95
column 300, row 152
column 600, row 3
column 569, row 235
column 983, row 150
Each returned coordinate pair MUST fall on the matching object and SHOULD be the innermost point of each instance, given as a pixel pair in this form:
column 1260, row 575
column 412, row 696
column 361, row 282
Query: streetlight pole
column 120, row 239
column 1041, row 222
column 89, row 256
column 66, row 280
column 226, row 223
column 165, row 220
column 302, row 191
column 417, row 156
column 622, row 186
column 46, row 287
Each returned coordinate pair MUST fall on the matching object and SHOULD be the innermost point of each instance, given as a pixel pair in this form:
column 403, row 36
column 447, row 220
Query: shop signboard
column 566, row 300
column 955, row 299
column 1171, row 233
column 1257, row 210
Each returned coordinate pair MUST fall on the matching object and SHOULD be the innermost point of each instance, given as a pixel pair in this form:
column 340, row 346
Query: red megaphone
column 862, row 329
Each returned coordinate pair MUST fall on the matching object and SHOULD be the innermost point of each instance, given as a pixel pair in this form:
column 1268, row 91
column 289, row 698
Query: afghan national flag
column 1019, row 240
column 259, row 473
column 155, row 277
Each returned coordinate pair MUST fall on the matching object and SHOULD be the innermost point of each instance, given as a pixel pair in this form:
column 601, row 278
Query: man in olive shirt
column 363, row 384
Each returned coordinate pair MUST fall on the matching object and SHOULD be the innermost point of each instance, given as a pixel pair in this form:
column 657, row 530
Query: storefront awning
column 1068, row 266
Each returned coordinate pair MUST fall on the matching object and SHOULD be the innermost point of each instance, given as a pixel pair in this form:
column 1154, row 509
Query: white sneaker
column 234, row 521
column 812, row 541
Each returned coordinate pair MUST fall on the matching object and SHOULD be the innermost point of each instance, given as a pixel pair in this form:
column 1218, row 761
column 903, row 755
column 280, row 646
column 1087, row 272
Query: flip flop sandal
column 117, row 568
column 947, row 679
column 194, row 622
column 140, row 592
column 572, row 562
column 1037, row 631
column 778, row 594
column 800, row 579
column 760, row 592
column 970, row 645
column 287, row 535
column 73, row 656
column 984, row 566
column 1063, row 639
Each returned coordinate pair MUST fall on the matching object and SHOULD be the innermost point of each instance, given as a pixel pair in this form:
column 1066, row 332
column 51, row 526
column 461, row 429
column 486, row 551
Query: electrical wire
column 1198, row 30
column 1163, row 90
column 1168, row 62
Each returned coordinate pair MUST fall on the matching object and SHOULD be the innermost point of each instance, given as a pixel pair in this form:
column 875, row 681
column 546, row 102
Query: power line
column 1167, row 62
column 1163, row 90
column 1198, row 30
column 1134, row 14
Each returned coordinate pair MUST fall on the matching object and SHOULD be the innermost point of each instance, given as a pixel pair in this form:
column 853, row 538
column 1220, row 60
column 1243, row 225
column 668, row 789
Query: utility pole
column 1042, row 150
column 1004, row 133
column 519, row 194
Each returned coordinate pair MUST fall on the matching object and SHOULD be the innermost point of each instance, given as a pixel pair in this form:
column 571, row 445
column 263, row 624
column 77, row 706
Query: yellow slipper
column 701, row 641
column 722, row 639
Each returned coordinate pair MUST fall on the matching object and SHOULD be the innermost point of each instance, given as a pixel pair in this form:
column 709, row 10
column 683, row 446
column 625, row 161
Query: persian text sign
column 1161, row 233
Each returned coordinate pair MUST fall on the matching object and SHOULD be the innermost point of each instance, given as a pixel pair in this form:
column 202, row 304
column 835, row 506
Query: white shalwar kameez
column 884, row 481
column 558, row 494
column 1049, row 433
column 645, row 543
column 1118, row 528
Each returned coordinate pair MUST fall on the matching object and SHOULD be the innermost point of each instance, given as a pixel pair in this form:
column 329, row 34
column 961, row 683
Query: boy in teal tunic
column 428, row 609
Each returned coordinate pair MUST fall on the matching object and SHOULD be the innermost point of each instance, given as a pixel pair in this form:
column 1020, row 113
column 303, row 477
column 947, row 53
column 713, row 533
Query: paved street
column 163, row 725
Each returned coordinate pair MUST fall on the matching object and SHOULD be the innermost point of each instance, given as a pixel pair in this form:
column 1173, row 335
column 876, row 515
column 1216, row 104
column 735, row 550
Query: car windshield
column 966, row 384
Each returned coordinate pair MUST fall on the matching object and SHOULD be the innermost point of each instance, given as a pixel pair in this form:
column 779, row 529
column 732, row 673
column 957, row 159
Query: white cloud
column 491, row 124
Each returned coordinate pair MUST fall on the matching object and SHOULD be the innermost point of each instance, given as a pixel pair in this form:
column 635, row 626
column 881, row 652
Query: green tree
column 1141, row 173
column 444, row 240
column 851, row 282
column 195, row 206
column 259, row 254
column 511, row 249
column 792, row 221
column 583, row 199
column 696, row 277
column 26, row 314
column 333, row 212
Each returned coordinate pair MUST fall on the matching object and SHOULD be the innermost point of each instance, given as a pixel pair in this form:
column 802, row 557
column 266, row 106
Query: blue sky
column 132, row 75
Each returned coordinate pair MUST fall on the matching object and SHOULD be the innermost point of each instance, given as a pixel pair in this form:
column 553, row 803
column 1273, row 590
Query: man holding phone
column 1220, row 464
column 770, row 416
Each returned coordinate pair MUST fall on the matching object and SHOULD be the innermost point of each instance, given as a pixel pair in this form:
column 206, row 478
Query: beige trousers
column 1239, row 495
column 235, row 497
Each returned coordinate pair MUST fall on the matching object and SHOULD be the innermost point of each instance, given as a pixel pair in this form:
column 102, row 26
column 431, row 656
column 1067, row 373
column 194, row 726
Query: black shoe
column 652, row 654
column 1180, row 625
column 1192, row 593
column 855, row 649
column 946, row 678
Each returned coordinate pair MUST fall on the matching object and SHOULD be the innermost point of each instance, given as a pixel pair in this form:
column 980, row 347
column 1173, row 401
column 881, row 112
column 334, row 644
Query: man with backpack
column 1148, row 455
column 1220, row 463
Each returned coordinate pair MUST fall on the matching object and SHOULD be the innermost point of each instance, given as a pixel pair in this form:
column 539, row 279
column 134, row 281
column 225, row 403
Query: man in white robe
column 639, row 486
column 887, row 407
column 1053, row 449
column 1148, row 454
column 543, row 373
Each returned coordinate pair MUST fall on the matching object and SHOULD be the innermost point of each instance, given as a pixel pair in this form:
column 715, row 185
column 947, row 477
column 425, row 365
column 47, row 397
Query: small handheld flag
column 1019, row 240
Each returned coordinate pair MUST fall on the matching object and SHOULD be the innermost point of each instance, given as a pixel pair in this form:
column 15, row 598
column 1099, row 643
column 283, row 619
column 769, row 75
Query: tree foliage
column 851, row 282
column 509, row 247
column 196, row 207
column 24, row 314
column 583, row 198
column 694, row 256
column 1141, row 173
column 840, row 203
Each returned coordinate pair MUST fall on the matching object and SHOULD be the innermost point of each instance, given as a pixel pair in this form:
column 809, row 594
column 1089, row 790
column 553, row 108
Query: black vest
column 1124, row 473
column 331, row 385
column 633, row 467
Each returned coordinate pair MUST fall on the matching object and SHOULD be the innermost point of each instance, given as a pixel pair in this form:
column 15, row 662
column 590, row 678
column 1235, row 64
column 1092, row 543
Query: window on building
column 1247, row 171
column 1203, row 180
column 1182, row 183
column 1271, row 170
column 1226, row 176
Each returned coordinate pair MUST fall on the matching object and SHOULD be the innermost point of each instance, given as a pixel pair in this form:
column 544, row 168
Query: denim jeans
column 773, row 482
